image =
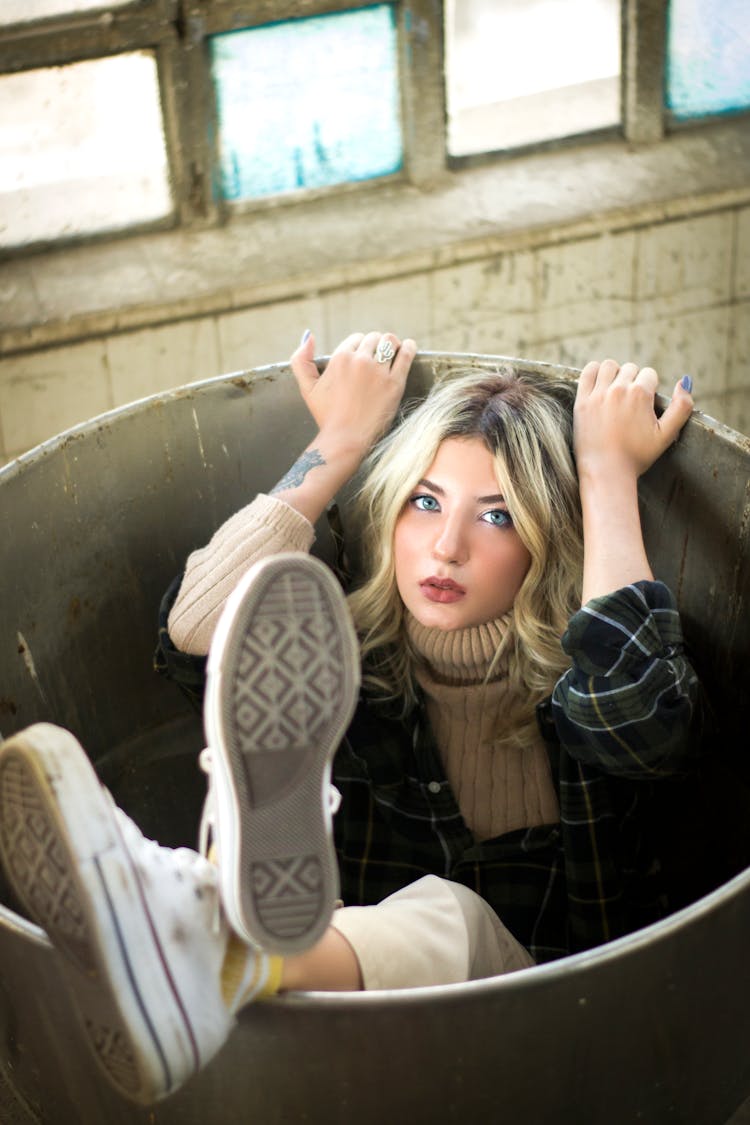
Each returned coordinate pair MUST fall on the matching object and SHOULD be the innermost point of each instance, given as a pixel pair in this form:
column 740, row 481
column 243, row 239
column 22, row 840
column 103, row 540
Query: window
column 508, row 85
column 308, row 102
column 708, row 58
column 139, row 114
column 77, row 156
column 86, row 146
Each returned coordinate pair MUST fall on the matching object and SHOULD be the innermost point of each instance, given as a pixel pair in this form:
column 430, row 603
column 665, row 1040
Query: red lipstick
column 443, row 590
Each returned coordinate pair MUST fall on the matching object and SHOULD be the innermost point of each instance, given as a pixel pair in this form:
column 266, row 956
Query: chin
column 441, row 620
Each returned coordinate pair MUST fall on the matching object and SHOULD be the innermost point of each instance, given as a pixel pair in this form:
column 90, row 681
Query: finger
column 369, row 343
column 381, row 349
column 306, row 344
column 587, row 378
column 628, row 373
column 404, row 359
column 607, row 372
column 303, row 363
column 677, row 413
column 350, row 344
column 648, row 378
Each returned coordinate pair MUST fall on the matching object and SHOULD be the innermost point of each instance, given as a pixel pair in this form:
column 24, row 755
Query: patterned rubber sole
column 36, row 861
column 288, row 895
column 290, row 672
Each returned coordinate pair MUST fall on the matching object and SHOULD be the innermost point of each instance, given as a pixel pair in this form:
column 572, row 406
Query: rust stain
column 76, row 608
column 675, row 489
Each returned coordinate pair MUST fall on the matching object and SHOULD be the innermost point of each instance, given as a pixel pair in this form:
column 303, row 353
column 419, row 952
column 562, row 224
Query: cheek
column 510, row 566
column 522, row 561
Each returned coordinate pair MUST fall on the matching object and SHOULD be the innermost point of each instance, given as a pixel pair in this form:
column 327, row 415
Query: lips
column 443, row 590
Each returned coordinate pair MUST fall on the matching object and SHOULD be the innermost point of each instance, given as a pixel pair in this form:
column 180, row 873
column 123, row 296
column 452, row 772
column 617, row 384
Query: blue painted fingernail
column 305, row 337
column 686, row 383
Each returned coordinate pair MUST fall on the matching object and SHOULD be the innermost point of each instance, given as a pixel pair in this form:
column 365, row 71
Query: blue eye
column 498, row 517
column 425, row 503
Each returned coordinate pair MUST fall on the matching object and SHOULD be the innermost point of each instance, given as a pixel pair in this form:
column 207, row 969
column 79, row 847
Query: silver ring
column 385, row 351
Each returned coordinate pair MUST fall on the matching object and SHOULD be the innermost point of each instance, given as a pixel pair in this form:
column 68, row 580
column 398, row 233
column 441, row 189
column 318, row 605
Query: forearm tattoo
column 310, row 459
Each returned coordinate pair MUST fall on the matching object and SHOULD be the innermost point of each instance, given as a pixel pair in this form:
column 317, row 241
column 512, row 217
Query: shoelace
column 208, row 816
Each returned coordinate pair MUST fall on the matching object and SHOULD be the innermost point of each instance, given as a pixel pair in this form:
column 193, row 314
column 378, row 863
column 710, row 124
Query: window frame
column 420, row 64
column 178, row 31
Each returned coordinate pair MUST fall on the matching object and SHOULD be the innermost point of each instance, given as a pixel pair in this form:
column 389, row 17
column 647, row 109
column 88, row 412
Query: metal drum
column 650, row 1028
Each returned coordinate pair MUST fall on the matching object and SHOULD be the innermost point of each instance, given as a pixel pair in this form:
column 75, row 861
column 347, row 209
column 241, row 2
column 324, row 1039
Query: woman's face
column 459, row 560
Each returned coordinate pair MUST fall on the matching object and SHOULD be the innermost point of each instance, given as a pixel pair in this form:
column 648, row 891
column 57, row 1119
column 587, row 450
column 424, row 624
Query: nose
column 451, row 544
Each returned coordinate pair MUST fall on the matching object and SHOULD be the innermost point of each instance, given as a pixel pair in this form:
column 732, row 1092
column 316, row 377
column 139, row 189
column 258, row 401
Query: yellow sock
column 248, row 974
column 273, row 981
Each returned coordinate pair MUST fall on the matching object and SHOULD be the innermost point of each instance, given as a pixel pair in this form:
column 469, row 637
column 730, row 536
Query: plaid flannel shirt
column 617, row 725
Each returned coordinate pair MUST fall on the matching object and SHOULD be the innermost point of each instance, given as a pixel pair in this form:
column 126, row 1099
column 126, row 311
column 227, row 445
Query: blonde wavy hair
column 525, row 421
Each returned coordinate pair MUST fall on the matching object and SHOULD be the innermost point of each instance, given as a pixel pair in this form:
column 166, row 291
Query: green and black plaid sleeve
column 627, row 703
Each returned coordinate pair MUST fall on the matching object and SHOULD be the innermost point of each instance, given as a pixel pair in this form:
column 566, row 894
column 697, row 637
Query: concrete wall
column 672, row 294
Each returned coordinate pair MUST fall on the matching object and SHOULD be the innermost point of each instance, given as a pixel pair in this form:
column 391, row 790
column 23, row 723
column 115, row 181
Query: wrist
column 343, row 449
column 607, row 475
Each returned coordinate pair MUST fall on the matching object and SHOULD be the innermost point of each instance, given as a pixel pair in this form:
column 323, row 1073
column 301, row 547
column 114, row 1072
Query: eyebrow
column 497, row 498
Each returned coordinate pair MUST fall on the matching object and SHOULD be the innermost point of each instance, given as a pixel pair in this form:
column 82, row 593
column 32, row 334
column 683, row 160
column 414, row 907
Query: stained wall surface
column 669, row 290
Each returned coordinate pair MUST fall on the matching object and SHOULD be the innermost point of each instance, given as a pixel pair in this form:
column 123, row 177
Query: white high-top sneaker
column 138, row 928
column 282, row 683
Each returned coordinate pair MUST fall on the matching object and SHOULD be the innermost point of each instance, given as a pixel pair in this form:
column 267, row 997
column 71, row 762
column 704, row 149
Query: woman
column 494, row 782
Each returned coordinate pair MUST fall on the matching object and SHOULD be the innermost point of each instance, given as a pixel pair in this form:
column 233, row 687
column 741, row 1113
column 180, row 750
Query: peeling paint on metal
column 200, row 440
column 28, row 659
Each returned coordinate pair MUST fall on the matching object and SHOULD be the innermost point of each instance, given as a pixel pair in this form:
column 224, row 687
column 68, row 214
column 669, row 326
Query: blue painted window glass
column 708, row 57
column 307, row 103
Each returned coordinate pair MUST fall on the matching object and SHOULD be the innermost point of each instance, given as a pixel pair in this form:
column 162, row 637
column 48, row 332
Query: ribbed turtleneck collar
column 459, row 656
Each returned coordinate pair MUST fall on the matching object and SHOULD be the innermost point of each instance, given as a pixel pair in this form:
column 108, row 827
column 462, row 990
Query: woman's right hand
column 354, row 400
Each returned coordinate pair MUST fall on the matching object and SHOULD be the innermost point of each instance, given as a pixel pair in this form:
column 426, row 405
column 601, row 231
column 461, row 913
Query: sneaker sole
column 283, row 677
column 62, row 851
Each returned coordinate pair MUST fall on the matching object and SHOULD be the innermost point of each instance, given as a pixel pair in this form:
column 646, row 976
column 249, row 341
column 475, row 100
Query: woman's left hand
column 616, row 428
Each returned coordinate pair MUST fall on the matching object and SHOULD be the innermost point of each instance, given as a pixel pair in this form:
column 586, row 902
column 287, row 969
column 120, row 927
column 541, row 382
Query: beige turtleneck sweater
column 499, row 787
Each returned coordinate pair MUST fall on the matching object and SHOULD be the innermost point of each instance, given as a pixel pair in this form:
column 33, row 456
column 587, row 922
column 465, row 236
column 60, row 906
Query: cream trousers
column 431, row 932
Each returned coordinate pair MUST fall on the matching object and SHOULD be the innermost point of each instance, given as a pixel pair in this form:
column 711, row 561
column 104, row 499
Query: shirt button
column 434, row 787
